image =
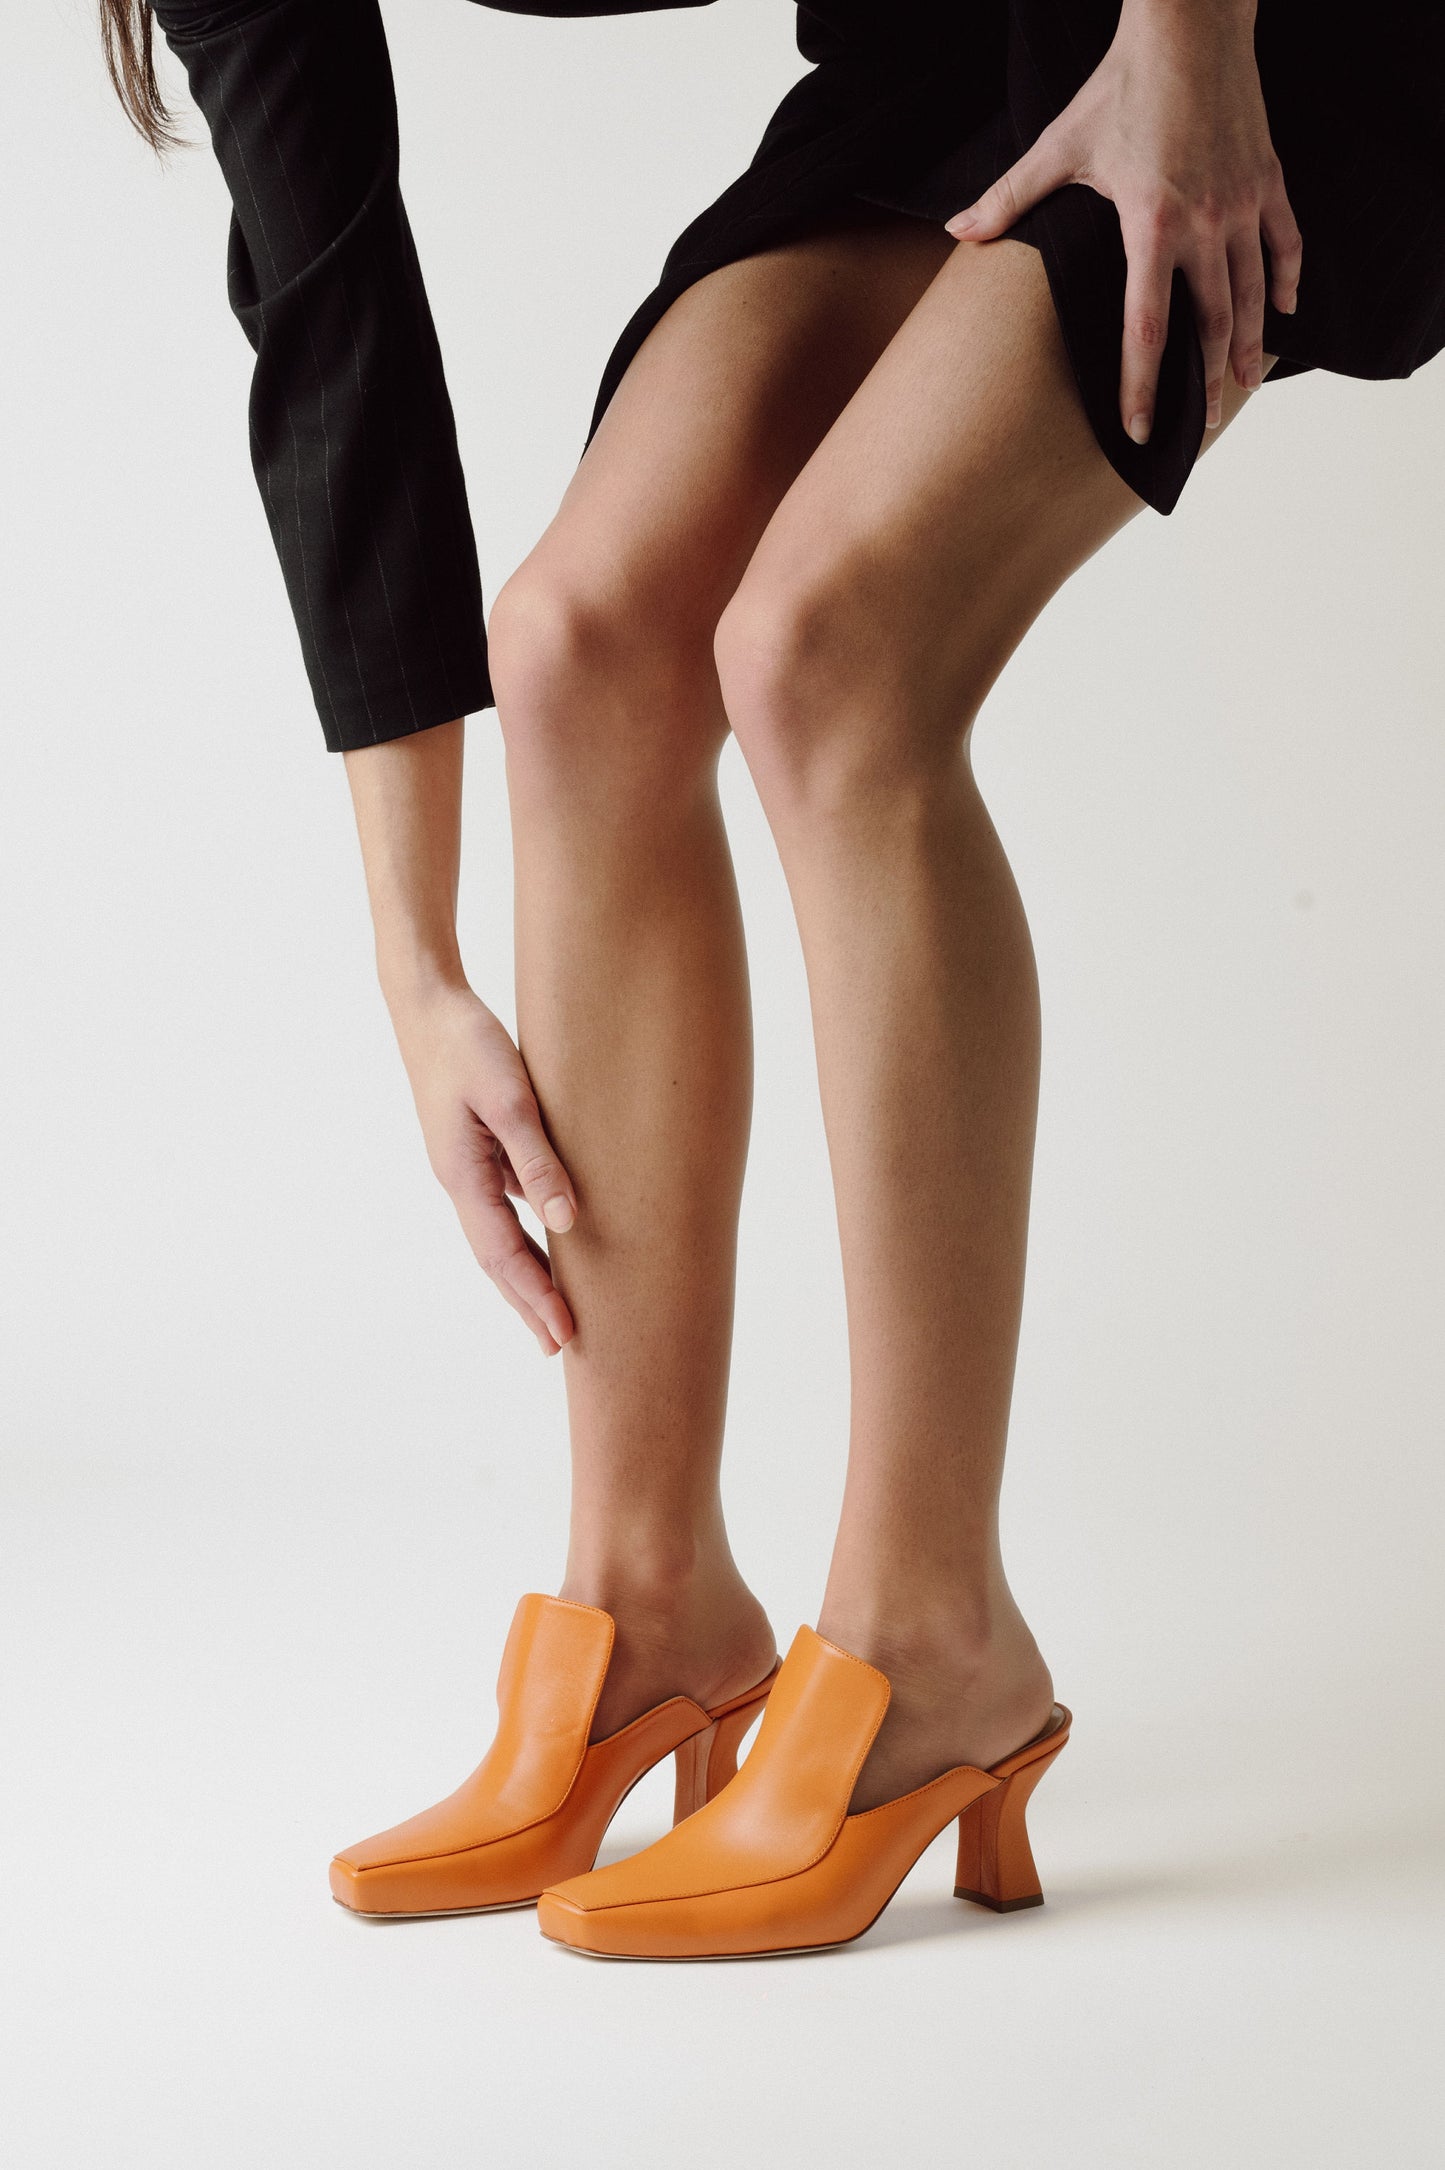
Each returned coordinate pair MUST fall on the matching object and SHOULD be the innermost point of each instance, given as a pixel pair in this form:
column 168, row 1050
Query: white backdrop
column 276, row 1463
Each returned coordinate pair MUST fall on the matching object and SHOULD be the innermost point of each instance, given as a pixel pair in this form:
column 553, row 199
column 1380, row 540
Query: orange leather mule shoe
column 775, row 1863
column 535, row 1809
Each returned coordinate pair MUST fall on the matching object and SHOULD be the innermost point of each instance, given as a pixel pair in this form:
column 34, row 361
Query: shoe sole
column 785, row 1951
column 435, row 1913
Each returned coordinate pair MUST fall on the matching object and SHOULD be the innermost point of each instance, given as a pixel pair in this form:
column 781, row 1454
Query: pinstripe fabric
column 907, row 105
column 352, row 435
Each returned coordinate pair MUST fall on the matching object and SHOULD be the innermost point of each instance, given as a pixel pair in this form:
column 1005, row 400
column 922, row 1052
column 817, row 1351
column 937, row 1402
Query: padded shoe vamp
column 788, row 1802
column 552, row 1671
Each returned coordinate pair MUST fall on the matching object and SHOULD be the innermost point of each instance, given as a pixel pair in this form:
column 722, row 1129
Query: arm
column 352, row 435
column 483, row 1130
column 355, row 453
column 1171, row 127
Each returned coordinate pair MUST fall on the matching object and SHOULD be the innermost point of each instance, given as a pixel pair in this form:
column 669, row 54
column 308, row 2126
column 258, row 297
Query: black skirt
column 911, row 106
column 918, row 108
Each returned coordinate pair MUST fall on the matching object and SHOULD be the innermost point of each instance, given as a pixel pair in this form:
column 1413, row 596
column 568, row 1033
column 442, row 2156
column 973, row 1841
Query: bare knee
column 832, row 696
column 601, row 698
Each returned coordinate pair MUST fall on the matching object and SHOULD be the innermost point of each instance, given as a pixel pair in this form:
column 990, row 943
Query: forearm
column 407, row 797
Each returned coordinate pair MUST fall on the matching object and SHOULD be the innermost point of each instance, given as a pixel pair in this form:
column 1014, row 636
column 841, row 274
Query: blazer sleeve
column 353, row 440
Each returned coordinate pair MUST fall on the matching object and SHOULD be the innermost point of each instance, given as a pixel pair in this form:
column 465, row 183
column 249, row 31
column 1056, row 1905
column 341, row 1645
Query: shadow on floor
column 1408, row 1854
column 1348, row 1860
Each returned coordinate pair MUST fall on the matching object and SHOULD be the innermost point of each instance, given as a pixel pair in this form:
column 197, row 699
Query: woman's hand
column 1171, row 127
column 479, row 1116
column 486, row 1144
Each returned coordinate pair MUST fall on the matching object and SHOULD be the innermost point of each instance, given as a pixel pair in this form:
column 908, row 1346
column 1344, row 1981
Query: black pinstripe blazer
column 352, row 435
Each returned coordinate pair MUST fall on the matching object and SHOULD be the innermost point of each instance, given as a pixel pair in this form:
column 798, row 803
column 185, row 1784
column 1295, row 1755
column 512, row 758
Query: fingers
column 1246, row 283
column 1208, row 277
column 522, row 1275
column 528, row 1151
column 1227, row 283
column 1146, row 327
column 1043, row 168
column 540, row 1334
column 506, row 1254
column 1286, row 250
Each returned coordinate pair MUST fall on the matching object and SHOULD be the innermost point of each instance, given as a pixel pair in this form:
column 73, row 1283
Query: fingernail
column 1139, row 429
column 557, row 1213
column 1212, row 414
column 959, row 224
column 1253, row 377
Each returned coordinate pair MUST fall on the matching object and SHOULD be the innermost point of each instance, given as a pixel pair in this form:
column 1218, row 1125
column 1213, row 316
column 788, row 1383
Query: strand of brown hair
column 127, row 34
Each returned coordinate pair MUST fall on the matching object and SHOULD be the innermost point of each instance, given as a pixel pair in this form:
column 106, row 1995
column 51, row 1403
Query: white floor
column 1239, row 1963
column 276, row 1465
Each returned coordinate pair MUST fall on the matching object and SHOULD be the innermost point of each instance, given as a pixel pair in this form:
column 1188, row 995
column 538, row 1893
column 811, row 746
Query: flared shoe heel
column 707, row 1761
column 995, row 1860
column 777, row 1861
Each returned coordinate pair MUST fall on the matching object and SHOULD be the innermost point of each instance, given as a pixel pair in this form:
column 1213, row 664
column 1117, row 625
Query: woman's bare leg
column 631, row 981
column 957, row 491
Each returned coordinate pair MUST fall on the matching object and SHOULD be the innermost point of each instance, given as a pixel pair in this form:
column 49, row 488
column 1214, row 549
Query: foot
column 707, row 1637
column 969, row 1698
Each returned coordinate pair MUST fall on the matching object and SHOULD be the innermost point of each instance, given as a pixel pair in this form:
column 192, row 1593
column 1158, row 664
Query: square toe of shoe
column 347, row 1884
column 505, row 1872
column 595, row 1929
column 431, row 1884
column 734, row 1924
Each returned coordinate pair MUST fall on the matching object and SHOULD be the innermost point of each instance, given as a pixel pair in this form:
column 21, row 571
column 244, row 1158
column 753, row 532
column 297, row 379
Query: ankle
column 965, row 1636
column 685, row 1597
column 650, row 1574
column 702, row 1634
column 967, row 1685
